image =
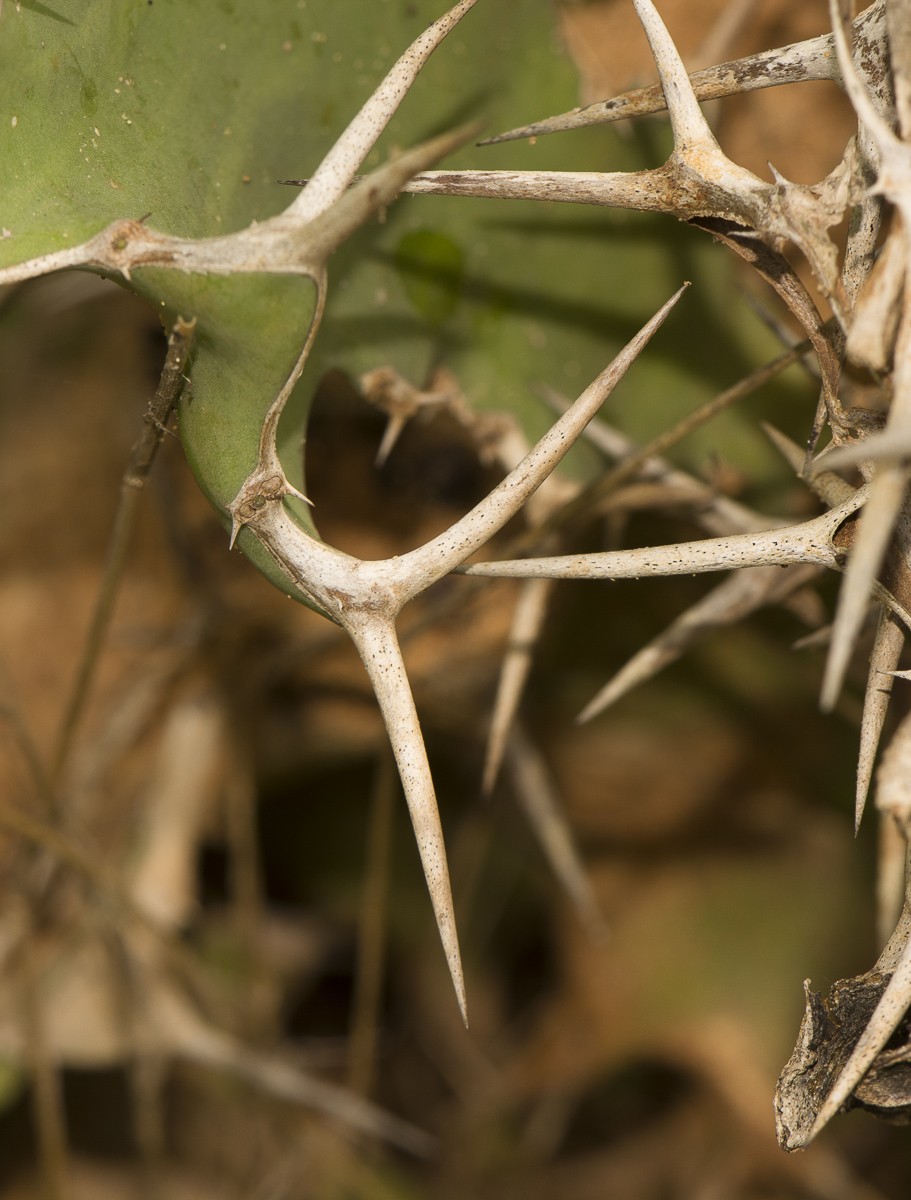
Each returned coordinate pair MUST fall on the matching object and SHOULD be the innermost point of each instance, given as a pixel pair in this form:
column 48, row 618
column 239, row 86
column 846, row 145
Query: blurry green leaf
column 431, row 267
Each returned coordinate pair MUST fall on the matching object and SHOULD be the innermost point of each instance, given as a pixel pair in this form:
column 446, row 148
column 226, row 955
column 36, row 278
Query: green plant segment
column 236, row 372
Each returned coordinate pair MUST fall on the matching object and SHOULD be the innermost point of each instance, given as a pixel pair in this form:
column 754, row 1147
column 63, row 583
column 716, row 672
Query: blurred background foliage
column 713, row 806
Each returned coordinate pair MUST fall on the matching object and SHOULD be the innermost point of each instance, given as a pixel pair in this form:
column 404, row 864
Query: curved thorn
column 268, row 463
column 375, row 638
column 332, row 177
column 687, row 120
column 270, row 424
column 323, row 235
column 874, row 530
column 887, row 648
column 527, row 622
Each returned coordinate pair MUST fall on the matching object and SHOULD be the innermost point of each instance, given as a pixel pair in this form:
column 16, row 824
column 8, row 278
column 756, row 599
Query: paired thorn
column 266, row 485
column 797, row 63
column 699, row 183
column 810, row 543
column 332, row 177
column 365, row 597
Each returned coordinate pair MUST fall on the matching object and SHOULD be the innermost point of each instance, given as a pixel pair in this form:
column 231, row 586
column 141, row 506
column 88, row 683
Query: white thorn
column 776, row 174
column 809, row 542
column 687, row 120
column 332, row 177
column 376, row 642
column 291, row 490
